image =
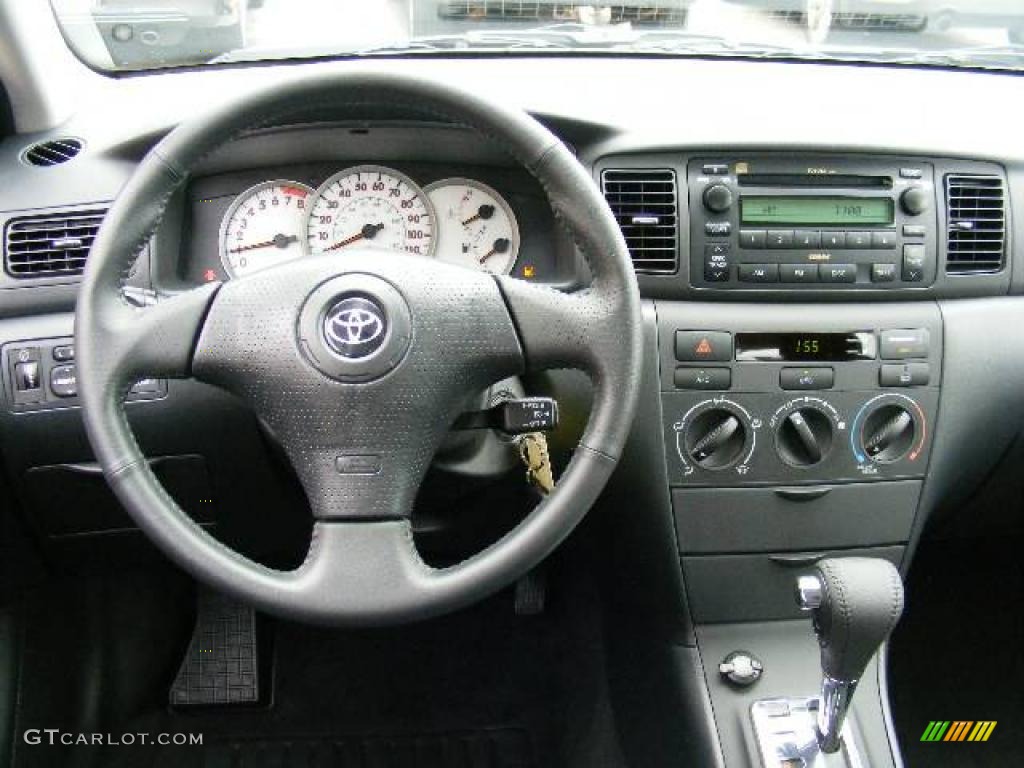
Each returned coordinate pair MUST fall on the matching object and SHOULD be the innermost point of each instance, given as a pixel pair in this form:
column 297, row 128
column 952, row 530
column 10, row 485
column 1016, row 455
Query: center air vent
column 50, row 246
column 653, row 12
column 644, row 203
column 975, row 224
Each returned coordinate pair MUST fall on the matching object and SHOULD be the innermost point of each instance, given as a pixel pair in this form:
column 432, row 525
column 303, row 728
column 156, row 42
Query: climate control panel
column 756, row 396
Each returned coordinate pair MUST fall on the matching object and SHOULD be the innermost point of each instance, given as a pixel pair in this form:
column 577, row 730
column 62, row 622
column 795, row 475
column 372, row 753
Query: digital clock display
column 820, row 211
column 805, row 347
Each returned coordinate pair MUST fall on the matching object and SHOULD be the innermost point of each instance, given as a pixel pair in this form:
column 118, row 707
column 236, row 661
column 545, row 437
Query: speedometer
column 371, row 207
column 262, row 227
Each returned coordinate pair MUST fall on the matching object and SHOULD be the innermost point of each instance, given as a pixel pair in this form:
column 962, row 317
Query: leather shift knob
column 861, row 599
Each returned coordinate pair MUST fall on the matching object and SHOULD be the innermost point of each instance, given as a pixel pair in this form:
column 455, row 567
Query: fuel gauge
column 476, row 226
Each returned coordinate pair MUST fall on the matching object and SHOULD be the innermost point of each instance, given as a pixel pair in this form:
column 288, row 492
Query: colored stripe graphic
column 958, row 730
column 935, row 730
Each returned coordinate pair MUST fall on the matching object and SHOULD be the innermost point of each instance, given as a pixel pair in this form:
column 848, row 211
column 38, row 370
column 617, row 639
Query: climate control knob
column 804, row 437
column 888, row 433
column 718, row 198
column 715, row 439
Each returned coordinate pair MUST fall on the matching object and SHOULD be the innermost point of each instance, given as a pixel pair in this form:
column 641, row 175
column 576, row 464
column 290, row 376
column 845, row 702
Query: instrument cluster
column 458, row 220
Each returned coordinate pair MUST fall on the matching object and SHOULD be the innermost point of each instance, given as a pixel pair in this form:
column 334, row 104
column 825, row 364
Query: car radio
column 812, row 222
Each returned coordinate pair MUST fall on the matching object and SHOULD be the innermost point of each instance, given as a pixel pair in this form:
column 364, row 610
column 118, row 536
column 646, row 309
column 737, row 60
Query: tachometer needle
column 485, row 212
column 368, row 232
column 500, row 246
column 279, row 240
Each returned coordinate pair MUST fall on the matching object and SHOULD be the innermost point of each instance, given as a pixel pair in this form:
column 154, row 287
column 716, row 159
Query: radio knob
column 804, row 437
column 718, row 198
column 914, row 200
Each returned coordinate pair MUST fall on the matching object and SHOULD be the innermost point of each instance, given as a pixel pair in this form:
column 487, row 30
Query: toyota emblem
column 355, row 327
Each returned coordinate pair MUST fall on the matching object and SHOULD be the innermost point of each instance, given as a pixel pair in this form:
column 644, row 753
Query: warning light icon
column 703, row 348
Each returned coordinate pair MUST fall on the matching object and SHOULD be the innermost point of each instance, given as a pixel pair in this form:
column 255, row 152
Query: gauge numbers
column 370, row 207
column 263, row 227
column 476, row 226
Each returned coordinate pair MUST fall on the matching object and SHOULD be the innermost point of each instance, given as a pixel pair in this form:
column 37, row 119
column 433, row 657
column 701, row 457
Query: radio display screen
column 805, row 347
column 823, row 211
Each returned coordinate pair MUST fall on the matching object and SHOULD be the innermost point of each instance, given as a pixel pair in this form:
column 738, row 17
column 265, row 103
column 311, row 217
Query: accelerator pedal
column 221, row 665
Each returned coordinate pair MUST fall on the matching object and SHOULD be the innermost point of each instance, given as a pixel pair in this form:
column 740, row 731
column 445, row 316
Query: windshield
column 124, row 35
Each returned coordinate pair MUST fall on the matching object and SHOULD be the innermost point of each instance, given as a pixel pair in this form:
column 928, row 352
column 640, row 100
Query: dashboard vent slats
column 645, row 206
column 55, row 152
column 656, row 12
column 975, row 223
column 50, row 246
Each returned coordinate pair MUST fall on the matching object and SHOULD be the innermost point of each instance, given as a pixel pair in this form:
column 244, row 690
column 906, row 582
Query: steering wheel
column 358, row 365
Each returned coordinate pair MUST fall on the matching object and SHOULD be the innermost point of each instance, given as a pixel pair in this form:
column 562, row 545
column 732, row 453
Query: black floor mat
column 501, row 748
column 958, row 653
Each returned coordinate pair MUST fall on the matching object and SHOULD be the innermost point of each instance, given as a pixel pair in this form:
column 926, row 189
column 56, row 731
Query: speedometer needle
column 281, row 241
column 369, row 231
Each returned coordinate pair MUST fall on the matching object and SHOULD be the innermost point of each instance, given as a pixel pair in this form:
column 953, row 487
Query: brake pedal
column 221, row 665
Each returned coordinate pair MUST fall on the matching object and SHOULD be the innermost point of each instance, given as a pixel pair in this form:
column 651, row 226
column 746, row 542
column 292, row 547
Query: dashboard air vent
column 47, row 153
column 975, row 224
column 652, row 12
column 50, row 246
column 644, row 203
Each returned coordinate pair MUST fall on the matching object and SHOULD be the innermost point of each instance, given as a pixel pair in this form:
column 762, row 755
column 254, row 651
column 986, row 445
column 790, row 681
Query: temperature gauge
column 476, row 226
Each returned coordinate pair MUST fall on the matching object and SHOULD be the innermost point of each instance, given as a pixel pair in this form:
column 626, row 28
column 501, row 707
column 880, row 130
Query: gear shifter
column 856, row 602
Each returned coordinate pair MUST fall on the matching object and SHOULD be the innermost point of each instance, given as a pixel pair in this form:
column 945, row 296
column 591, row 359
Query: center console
column 791, row 430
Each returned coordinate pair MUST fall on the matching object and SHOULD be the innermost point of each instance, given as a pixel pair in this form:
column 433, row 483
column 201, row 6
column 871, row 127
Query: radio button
column 752, row 238
column 833, row 239
column 780, row 238
column 716, row 249
column 718, row 198
column 883, row 273
column 807, row 238
column 717, row 228
column 913, row 263
column 838, row 273
column 703, row 346
column 911, row 173
column 807, row 378
column 759, row 273
column 913, row 230
column 716, row 272
column 883, row 239
column 858, row 239
column 798, row 273
column 714, row 169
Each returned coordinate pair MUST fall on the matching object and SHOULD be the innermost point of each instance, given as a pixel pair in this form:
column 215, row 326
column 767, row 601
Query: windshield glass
column 122, row 35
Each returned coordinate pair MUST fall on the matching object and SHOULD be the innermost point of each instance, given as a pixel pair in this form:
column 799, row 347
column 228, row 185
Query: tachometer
column 371, row 207
column 476, row 226
column 263, row 227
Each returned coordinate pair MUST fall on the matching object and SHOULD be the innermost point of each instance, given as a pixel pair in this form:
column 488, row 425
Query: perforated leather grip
column 863, row 600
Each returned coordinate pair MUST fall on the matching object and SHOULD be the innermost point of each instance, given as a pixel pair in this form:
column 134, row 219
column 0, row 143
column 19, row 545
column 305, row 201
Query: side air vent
column 47, row 153
column 644, row 203
column 50, row 246
column 975, row 224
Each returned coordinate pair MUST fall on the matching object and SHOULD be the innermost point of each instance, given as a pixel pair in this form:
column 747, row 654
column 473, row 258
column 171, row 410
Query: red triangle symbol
column 704, row 348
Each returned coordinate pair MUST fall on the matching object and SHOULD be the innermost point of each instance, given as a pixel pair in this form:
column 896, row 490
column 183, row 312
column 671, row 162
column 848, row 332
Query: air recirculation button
column 715, row 439
column 888, row 434
column 804, row 437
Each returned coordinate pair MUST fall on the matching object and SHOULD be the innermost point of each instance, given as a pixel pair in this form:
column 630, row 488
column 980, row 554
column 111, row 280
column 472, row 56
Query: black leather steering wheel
column 360, row 428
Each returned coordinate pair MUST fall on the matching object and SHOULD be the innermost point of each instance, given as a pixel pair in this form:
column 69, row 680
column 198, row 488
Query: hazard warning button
column 700, row 346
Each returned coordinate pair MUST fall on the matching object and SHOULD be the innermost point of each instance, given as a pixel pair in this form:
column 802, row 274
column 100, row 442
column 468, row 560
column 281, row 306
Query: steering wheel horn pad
column 358, row 365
